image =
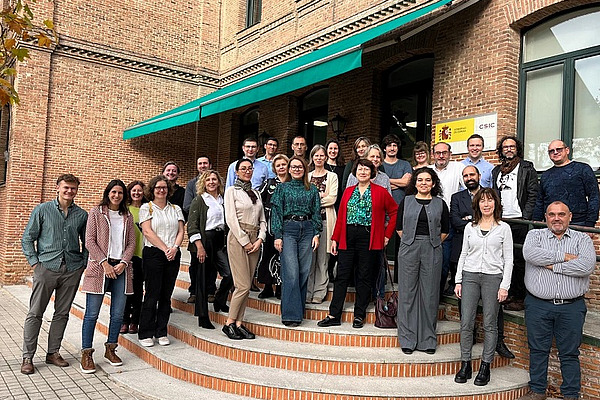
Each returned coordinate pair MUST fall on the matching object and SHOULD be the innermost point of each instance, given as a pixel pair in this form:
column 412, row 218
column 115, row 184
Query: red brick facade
column 119, row 64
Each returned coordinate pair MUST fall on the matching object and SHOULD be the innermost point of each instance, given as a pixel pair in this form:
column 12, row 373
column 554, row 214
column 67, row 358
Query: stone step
column 313, row 311
column 217, row 372
column 269, row 325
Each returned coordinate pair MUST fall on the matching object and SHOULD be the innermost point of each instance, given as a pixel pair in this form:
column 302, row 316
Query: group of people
column 296, row 224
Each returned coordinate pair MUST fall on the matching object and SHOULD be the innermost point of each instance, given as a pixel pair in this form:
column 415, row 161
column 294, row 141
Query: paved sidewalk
column 48, row 381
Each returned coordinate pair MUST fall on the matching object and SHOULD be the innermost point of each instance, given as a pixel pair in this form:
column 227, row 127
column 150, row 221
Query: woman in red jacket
column 362, row 234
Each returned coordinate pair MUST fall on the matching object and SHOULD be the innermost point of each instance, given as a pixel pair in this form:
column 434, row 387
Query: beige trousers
column 243, row 266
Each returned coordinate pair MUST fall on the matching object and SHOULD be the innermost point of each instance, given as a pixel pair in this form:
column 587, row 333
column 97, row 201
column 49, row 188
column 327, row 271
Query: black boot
column 465, row 372
column 503, row 351
column 278, row 291
column 483, row 377
column 266, row 292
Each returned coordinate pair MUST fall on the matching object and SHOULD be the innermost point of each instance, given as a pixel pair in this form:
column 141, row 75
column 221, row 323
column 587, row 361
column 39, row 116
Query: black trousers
column 160, row 275
column 133, row 305
column 517, row 282
column 358, row 261
column 216, row 259
column 210, row 278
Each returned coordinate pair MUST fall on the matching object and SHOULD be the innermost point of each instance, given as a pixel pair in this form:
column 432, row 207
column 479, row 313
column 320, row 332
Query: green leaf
column 20, row 54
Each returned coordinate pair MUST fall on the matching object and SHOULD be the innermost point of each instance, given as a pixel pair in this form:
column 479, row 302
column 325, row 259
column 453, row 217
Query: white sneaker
column 164, row 341
column 148, row 342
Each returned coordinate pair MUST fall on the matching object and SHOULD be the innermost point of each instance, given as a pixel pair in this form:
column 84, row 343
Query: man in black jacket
column 517, row 183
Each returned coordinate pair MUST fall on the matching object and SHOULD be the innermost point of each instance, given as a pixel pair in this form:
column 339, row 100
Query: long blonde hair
column 201, row 184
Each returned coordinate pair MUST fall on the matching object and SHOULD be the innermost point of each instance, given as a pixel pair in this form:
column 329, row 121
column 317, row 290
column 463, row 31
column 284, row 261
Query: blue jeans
column 93, row 302
column 564, row 323
column 296, row 258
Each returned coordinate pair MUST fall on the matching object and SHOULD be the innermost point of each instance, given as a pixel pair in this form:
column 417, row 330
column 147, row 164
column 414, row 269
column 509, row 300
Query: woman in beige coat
column 327, row 183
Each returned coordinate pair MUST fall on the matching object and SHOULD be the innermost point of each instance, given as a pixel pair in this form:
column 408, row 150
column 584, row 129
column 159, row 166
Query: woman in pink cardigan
column 110, row 240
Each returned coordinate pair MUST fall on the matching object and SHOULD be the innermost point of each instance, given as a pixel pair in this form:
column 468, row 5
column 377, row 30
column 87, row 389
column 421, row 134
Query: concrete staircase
column 309, row 362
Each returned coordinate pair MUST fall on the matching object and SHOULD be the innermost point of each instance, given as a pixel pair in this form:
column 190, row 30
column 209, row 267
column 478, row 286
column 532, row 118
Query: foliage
column 17, row 30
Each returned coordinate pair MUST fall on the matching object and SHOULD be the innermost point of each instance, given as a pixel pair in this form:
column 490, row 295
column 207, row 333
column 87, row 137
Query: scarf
column 246, row 187
column 508, row 165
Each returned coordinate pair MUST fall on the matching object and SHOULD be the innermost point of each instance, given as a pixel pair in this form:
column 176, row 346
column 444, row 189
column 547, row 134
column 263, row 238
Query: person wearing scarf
column 245, row 217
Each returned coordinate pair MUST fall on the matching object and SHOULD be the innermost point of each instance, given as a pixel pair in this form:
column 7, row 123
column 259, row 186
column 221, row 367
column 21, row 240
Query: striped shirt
column 165, row 221
column 567, row 280
column 51, row 237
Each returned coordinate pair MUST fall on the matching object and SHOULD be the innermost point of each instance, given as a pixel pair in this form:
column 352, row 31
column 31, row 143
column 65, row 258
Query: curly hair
column 504, row 139
column 436, row 190
column 201, row 183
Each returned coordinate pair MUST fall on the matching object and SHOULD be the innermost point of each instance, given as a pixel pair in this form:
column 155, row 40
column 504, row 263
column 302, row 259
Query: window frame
column 253, row 12
column 567, row 60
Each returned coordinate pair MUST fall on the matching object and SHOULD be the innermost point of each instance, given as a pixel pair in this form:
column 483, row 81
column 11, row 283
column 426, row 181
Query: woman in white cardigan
column 327, row 183
column 484, row 271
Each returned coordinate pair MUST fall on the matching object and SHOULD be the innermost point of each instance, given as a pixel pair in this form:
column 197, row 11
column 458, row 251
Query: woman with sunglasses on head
column 163, row 228
column 484, row 271
column 110, row 240
column 375, row 155
column 245, row 218
column 296, row 223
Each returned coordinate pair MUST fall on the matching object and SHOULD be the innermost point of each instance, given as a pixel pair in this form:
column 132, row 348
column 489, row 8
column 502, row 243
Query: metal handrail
column 537, row 224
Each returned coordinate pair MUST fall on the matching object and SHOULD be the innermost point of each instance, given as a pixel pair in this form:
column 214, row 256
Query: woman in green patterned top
column 296, row 224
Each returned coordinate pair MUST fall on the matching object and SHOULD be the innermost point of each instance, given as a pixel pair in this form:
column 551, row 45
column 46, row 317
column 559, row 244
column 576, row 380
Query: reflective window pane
column 586, row 131
column 543, row 113
column 574, row 31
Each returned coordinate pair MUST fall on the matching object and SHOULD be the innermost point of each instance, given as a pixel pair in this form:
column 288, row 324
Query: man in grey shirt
column 54, row 245
column 559, row 262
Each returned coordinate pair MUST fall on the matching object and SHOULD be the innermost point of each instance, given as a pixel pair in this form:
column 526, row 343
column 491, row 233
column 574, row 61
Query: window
column 313, row 116
column 253, row 10
column 248, row 127
column 4, row 139
column 560, row 87
column 407, row 105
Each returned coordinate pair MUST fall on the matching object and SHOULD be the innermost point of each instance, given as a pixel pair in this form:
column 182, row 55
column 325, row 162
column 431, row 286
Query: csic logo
column 488, row 125
column 445, row 133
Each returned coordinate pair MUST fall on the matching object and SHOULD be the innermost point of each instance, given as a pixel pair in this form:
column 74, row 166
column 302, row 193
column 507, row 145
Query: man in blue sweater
column 571, row 182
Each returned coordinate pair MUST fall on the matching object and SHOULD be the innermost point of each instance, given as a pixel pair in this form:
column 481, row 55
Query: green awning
column 316, row 66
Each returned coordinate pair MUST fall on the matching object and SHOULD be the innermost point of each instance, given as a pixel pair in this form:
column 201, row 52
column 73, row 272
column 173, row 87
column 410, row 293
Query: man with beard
column 516, row 181
column 461, row 213
column 559, row 264
column 571, row 182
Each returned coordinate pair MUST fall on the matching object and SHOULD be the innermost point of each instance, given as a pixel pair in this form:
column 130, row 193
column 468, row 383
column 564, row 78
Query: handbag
column 386, row 310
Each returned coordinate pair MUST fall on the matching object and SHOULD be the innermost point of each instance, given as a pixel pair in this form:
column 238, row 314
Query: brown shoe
column 133, row 328
column 191, row 299
column 531, row 395
column 124, row 329
column 56, row 359
column 27, row 366
column 87, row 362
column 111, row 355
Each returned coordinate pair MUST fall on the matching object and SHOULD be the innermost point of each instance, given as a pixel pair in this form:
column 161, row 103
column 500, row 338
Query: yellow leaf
column 9, row 43
column 43, row 41
column 49, row 24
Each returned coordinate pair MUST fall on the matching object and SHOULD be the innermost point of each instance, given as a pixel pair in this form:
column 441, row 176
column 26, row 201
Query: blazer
column 97, row 241
column 382, row 203
column 328, row 203
column 460, row 206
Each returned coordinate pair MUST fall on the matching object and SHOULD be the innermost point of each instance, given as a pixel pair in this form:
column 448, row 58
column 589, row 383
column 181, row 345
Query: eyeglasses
column 159, row 188
column 557, row 150
column 299, row 145
column 246, row 169
column 441, row 153
column 296, row 167
column 509, row 146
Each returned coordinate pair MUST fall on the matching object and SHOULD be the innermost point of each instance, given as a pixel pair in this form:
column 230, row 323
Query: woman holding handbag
column 361, row 233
